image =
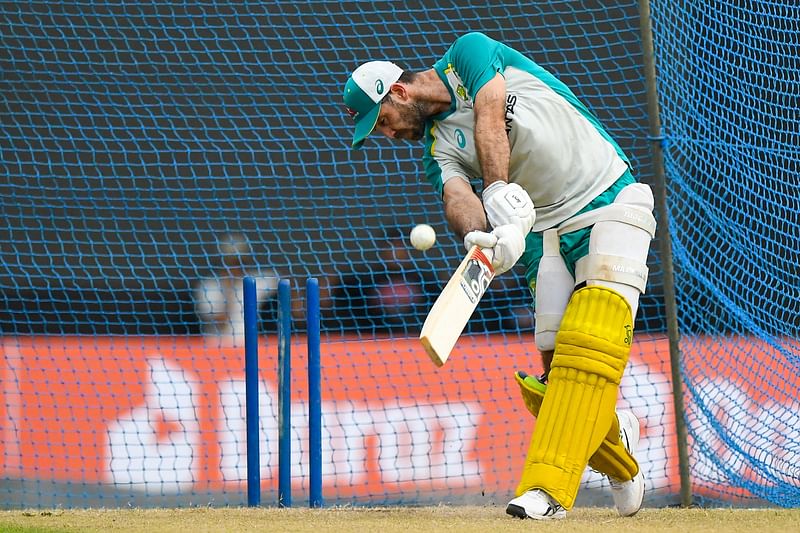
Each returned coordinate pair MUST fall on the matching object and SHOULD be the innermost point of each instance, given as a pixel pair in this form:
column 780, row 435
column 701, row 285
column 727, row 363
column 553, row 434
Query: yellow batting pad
column 532, row 391
column 592, row 349
column 611, row 458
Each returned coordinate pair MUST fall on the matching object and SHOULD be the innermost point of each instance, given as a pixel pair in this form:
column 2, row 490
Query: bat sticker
column 476, row 277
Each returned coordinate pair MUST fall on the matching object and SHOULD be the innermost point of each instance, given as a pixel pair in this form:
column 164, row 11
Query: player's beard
column 415, row 114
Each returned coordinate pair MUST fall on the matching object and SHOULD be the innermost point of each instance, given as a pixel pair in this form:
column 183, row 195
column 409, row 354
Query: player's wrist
column 493, row 188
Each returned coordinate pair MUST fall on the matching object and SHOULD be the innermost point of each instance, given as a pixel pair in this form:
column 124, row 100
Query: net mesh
column 153, row 153
column 727, row 79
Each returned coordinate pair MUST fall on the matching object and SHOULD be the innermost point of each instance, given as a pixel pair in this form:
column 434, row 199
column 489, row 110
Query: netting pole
column 673, row 334
column 251, row 392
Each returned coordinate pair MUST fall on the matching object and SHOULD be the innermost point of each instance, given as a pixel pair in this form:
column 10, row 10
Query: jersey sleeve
column 433, row 173
column 477, row 58
column 439, row 170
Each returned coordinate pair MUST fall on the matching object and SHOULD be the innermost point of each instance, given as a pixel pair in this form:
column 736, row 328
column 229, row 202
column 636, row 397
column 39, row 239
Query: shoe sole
column 519, row 512
column 516, row 511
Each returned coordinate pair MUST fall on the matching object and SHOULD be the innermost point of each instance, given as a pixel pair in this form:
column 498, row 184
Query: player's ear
column 399, row 91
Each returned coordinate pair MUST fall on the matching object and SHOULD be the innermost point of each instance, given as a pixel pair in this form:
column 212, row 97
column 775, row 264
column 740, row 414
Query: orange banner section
column 168, row 412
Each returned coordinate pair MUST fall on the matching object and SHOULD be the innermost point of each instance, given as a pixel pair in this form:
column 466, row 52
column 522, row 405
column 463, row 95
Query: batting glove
column 503, row 246
column 508, row 203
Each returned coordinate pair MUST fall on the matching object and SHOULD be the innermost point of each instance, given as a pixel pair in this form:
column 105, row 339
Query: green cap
column 363, row 93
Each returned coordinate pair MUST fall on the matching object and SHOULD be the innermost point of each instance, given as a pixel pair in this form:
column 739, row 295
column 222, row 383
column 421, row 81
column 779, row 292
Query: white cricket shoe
column 536, row 504
column 628, row 495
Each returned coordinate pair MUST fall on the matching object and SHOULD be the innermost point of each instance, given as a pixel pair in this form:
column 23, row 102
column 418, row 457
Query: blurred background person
column 219, row 300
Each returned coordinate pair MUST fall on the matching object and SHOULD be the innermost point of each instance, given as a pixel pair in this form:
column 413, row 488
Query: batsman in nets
column 526, row 172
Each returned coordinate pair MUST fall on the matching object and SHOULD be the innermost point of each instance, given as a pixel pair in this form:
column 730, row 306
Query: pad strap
column 627, row 214
column 612, row 268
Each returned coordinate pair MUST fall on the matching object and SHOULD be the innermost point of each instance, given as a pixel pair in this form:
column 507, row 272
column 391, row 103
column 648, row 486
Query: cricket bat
column 453, row 308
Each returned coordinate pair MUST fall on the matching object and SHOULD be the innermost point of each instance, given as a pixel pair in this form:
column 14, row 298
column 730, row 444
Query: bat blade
column 453, row 308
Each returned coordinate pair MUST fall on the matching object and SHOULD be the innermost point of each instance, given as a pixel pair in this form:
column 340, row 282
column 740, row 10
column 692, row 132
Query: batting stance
column 527, row 173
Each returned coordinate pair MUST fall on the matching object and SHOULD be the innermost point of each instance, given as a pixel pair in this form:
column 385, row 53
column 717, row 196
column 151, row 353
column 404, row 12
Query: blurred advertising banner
column 168, row 413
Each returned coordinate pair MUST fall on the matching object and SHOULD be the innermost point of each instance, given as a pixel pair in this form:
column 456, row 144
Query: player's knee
column 596, row 334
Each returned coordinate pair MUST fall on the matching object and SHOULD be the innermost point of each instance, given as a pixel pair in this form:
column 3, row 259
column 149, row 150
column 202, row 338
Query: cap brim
column 365, row 126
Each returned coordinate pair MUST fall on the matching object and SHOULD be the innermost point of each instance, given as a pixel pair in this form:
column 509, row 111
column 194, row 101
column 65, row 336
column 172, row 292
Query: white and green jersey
column 560, row 154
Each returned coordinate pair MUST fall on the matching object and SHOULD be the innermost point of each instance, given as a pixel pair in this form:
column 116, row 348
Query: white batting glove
column 503, row 246
column 508, row 203
column 481, row 239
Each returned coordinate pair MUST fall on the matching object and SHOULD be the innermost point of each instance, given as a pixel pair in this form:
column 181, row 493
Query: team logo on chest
column 461, row 139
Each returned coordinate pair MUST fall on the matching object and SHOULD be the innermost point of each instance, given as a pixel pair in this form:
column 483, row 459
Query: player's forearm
column 463, row 209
